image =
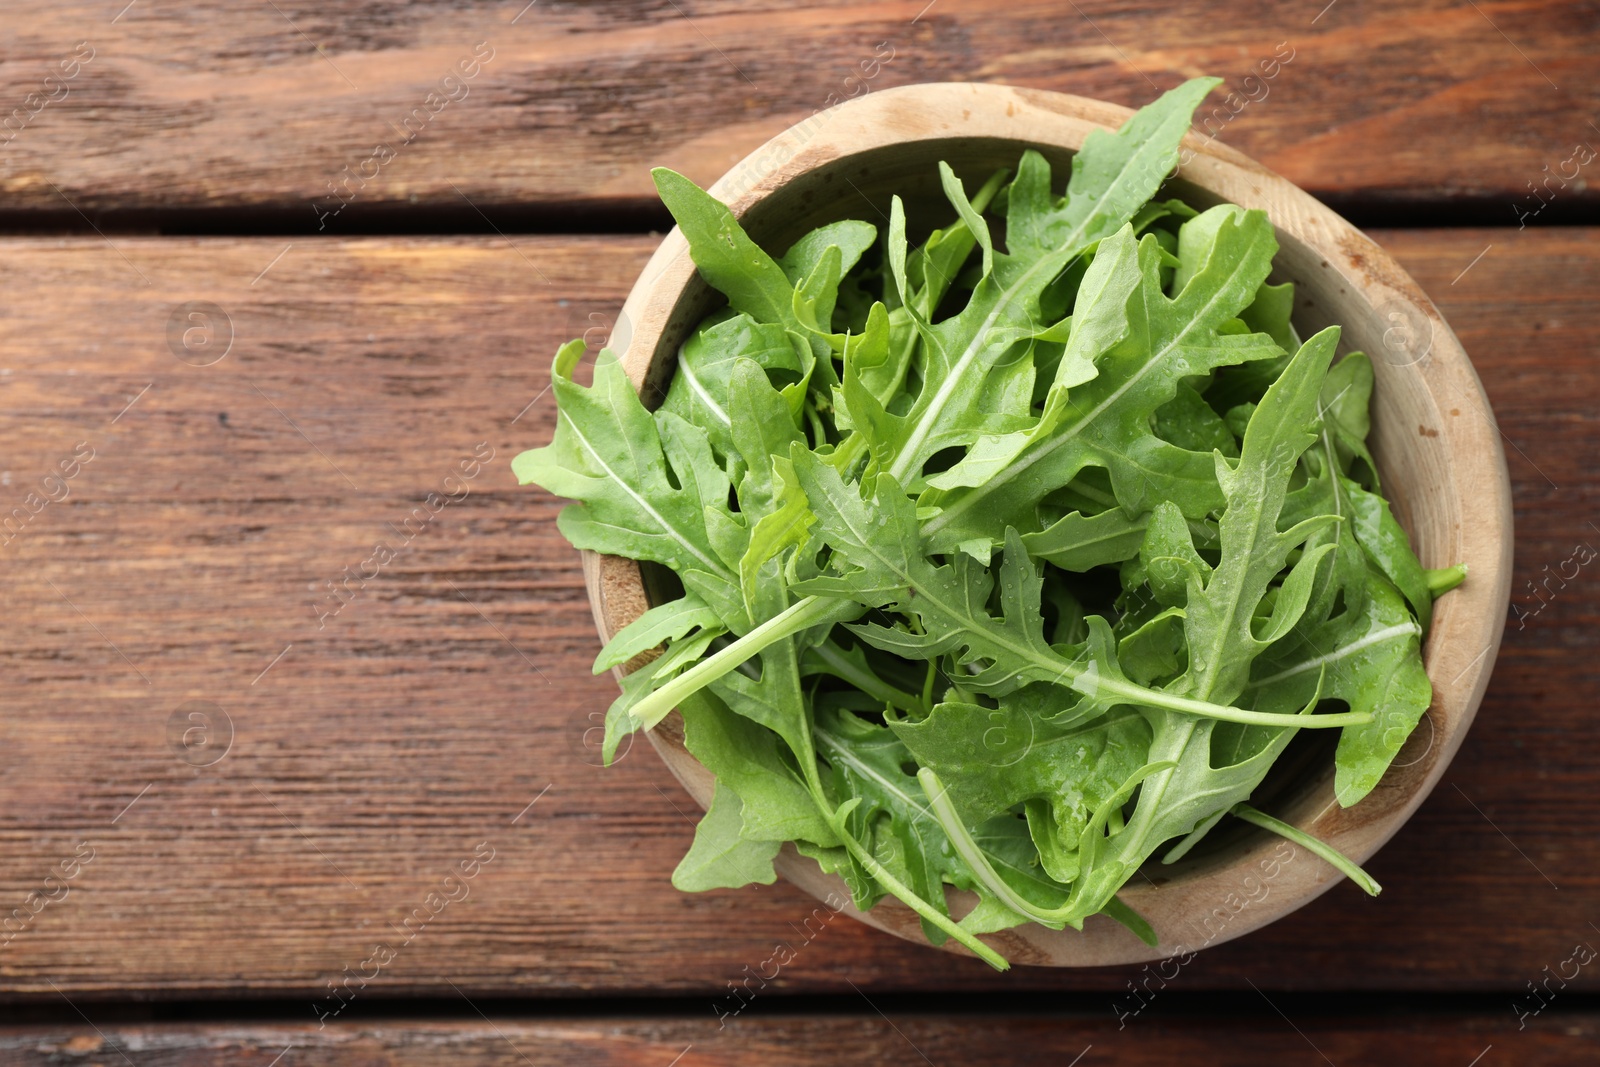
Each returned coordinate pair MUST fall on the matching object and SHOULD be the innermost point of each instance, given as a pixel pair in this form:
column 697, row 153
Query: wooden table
column 263, row 295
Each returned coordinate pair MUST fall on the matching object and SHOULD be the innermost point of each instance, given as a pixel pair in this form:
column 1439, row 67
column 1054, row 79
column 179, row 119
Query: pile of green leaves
column 1006, row 561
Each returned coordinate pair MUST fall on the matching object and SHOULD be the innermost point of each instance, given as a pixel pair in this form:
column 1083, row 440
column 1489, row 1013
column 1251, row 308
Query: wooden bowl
column 1433, row 435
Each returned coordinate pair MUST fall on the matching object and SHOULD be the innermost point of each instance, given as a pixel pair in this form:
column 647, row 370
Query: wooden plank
column 376, row 750
column 211, row 105
column 866, row 1038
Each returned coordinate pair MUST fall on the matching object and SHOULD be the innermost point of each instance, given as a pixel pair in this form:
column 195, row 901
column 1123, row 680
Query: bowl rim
column 1424, row 360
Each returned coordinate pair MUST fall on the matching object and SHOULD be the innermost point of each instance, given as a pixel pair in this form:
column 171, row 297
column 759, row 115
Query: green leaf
column 991, row 880
column 783, row 527
column 1371, row 661
column 770, row 502
column 1028, row 748
column 1269, row 314
column 1154, row 652
column 853, row 665
column 756, row 284
column 1169, row 557
column 976, row 374
column 1005, row 842
column 976, row 367
column 1112, row 177
column 1346, row 396
column 1221, row 623
column 877, row 539
column 773, row 699
column 891, row 819
column 932, row 268
column 700, row 387
column 851, row 237
column 1077, row 542
column 1244, row 384
column 1386, row 543
column 642, row 483
column 1154, row 343
column 662, row 623
column 621, row 719
column 1190, row 423
column 749, row 760
column 1224, row 635
column 880, row 359
column 720, row 857
column 727, row 258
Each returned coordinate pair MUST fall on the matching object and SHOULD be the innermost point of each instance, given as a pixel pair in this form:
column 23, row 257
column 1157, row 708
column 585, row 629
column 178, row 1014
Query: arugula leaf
column 643, row 683
column 1373, row 663
column 1028, row 748
column 1192, row 424
column 878, row 539
column 1113, row 176
column 664, row 622
column 1224, row 634
column 891, row 820
column 700, row 388
column 852, row 665
column 1269, row 313
column 851, row 237
column 720, row 858
column 1149, row 344
column 642, row 483
column 1367, row 652
column 754, row 282
column 750, row 761
column 1005, row 843
column 974, row 379
column 797, row 294
column 1346, row 396
column 1077, row 542
column 1387, row 545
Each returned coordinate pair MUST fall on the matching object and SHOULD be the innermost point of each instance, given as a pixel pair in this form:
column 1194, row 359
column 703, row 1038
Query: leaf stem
column 1155, row 698
column 801, row 615
column 1445, row 579
column 1345, row 864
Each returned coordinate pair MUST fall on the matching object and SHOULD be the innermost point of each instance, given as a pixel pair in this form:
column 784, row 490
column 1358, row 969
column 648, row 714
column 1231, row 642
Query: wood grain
column 867, row 1038
column 213, row 105
column 372, row 757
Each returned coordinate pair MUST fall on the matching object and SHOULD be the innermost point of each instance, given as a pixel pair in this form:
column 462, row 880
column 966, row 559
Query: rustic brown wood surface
column 308, row 107
column 787, row 1039
column 375, row 750
column 257, row 770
